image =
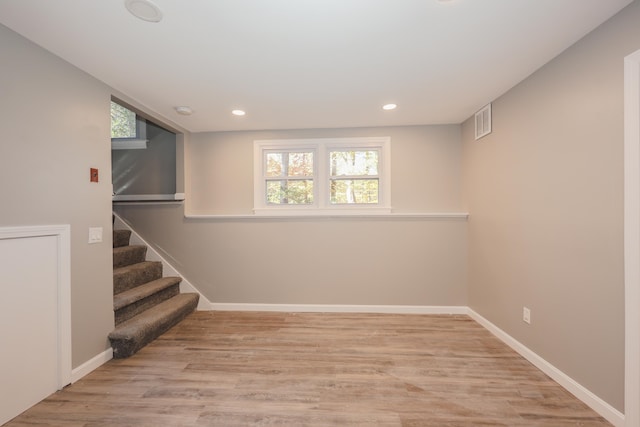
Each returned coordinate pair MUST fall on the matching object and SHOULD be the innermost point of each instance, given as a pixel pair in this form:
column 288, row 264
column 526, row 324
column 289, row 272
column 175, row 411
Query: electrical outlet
column 526, row 315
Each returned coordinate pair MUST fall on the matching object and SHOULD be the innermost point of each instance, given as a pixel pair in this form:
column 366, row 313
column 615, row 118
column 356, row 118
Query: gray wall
column 545, row 196
column 55, row 126
column 545, row 193
column 149, row 171
column 425, row 167
column 317, row 261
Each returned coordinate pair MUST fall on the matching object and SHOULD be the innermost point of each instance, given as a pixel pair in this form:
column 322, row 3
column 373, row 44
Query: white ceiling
column 310, row 63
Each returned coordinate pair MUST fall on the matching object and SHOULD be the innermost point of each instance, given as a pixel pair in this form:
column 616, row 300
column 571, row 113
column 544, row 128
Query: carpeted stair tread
column 121, row 238
column 127, row 255
column 129, row 277
column 143, row 291
column 135, row 333
column 134, row 301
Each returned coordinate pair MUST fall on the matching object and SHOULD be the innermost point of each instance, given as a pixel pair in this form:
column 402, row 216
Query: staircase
column 145, row 304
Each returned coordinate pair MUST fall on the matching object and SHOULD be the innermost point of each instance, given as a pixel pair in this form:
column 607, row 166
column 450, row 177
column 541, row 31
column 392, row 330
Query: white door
column 29, row 322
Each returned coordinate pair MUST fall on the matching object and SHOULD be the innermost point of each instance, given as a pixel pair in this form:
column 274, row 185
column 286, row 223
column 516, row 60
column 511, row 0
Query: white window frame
column 321, row 198
column 137, row 142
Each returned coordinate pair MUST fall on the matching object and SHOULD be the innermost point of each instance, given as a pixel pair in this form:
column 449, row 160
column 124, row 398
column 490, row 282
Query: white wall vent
column 483, row 121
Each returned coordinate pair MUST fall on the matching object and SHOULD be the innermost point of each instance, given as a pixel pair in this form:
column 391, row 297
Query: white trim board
column 456, row 216
column 339, row 308
column 632, row 237
column 148, row 197
column 91, row 365
column 607, row 411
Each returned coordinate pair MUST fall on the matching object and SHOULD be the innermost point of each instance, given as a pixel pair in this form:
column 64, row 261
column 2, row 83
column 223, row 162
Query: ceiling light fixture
column 238, row 113
column 389, row 107
column 144, row 9
column 185, row 111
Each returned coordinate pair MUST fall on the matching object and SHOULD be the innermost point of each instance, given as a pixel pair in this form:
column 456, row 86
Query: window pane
column 123, row 122
column 274, row 164
column 290, row 192
column 353, row 163
column 354, row 191
column 289, row 164
column 300, row 164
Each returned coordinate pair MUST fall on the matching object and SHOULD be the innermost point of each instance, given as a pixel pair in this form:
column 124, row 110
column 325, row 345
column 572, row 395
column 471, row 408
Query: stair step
column 130, row 303
column 125, row 278
column 135, row 333
column 121, row 238
column 127, row 255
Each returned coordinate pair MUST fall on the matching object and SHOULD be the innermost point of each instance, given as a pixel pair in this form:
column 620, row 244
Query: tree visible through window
column 123, row 122
column 289, row 178
column 322, row 174
column 354, row 177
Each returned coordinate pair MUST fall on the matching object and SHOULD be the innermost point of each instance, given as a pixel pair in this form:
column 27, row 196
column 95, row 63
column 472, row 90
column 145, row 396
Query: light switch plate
column 95, row 234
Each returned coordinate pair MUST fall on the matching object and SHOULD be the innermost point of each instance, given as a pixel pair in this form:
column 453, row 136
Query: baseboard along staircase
column 146, row 305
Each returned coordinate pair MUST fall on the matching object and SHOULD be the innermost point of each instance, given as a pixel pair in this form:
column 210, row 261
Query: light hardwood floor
column 310, row 369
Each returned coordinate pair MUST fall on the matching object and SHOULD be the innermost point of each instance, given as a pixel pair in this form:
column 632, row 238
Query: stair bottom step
column 135, row 333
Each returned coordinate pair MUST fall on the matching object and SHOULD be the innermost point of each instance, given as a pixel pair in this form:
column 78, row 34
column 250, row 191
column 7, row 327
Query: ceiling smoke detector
column 144, row 9
column 185, row 111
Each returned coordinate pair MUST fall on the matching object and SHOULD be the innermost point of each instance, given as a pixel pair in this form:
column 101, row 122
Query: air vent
column 483, row 121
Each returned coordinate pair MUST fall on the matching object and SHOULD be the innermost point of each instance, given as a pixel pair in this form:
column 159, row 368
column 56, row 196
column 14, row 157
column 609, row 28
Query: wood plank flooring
column 311, row 369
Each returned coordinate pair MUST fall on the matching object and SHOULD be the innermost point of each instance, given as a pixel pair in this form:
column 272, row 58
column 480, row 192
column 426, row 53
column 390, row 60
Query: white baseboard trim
column 185, row 287
column 607, row 411
column 340, row 308
column 167, row 269
column 91, row 365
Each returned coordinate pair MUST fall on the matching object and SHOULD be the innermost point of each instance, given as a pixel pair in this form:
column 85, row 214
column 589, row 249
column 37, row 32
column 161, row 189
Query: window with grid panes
column 322, row 176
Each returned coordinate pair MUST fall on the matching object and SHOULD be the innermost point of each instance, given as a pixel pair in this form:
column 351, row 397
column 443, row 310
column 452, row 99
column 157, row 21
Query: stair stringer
column 167, row 269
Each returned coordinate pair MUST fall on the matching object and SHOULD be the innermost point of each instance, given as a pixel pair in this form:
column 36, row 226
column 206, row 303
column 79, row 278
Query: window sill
column 297, row 212
column 129, row 144
column 177, row 197
column 462, row 216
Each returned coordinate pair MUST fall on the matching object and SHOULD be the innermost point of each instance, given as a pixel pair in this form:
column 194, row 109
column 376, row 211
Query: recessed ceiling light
column 144, row 9
column 183, row 110
column 389, row 107
column 238, row 113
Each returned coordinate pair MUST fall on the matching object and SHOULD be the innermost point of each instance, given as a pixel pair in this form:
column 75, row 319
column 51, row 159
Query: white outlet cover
column 526, row 315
